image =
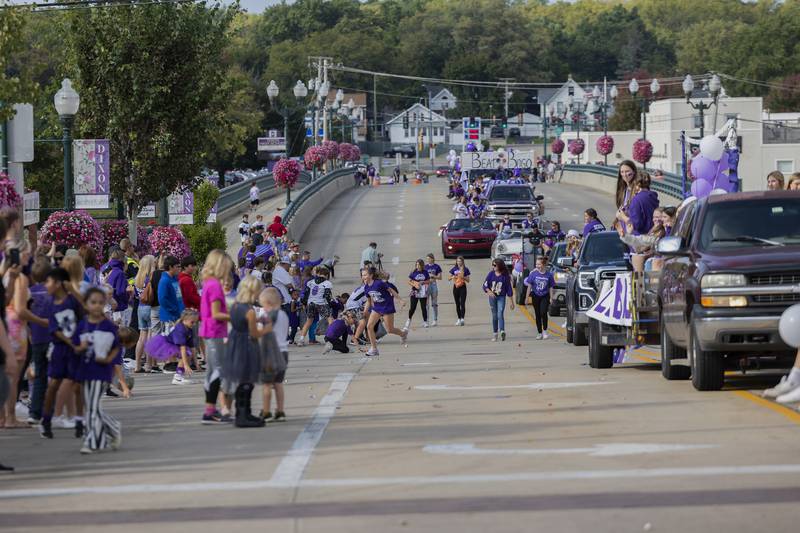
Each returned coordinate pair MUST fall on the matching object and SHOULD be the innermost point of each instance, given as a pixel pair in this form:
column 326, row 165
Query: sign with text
column 273, row 142
column 495, row 160
column 30, row 202
column 148, row 211
column 613, row 305
column 180, row 207
column 92, row 171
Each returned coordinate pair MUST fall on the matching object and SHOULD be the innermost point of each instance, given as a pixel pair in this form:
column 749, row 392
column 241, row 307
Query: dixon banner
column 92, row 170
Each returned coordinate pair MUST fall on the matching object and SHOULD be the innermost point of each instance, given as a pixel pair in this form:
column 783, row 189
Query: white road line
column 565, row 385
column 291, row 468
column 598, row 450
column 395, row 260
column 396, row 241
column 461, row 363
column 564, row 475
column 399, row 217
column 398, row 227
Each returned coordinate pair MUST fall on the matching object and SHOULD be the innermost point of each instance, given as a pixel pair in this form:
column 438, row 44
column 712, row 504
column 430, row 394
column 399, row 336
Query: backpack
column 148, row 294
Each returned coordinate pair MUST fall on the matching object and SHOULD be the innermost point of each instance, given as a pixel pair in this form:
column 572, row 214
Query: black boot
column 244, row 419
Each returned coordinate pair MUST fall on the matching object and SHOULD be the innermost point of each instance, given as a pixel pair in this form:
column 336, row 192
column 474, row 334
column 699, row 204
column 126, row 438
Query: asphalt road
column 453, row 433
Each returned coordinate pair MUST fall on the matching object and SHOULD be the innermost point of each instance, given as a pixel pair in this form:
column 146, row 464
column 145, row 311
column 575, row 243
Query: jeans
column 39, row 350
column 433, row 300
column 498, row 307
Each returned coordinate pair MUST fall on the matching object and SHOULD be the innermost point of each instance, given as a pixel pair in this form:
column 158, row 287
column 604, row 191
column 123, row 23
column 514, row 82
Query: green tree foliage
column 15, row 85
column 204, row 237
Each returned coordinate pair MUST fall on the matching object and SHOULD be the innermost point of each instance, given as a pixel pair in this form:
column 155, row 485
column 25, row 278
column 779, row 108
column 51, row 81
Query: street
column 453, row 433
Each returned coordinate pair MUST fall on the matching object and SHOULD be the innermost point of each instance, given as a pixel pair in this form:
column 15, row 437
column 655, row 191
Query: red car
column 442, row 172
column 465, row 236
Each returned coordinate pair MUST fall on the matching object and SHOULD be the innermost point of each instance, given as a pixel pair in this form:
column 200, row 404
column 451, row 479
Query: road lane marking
column 398, row 227
column 544, row 385
column 395, row 260
column 788, row 412
column 399, row 217
column 396, row 241
column 598, row 450
column 461, row 363
column 290, row 470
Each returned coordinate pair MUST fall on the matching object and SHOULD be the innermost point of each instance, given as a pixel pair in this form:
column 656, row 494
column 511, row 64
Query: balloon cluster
column 471, row 147
column 557, row 147
column 709, row 167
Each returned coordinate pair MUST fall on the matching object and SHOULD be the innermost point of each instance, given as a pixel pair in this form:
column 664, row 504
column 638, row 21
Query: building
column 569, row 99
column 358, row 116
column 442, row 100
column 764, row 145
column 420, row 119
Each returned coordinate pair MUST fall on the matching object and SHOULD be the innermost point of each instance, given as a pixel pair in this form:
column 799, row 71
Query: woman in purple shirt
column 498, row 286
column 380, row 305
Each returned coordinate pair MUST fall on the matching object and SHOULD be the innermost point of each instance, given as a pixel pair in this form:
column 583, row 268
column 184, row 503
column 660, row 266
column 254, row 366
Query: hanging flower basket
column 169, row 240
column 116, row 230
column 9, row 197
column 314, row 157
column 642, row 151
column 605, row 145
column 331, row 150
column 73, row 228
column 576, row 146
column 557, row 147
column 349, row 152
column 286, row 172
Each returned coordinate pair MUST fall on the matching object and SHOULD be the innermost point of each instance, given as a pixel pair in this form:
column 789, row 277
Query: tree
column 786, row 97
column 15, row 87
column 152, row 82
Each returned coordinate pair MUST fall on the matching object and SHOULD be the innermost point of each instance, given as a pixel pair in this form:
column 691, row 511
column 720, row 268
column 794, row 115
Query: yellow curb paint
column 789, row 413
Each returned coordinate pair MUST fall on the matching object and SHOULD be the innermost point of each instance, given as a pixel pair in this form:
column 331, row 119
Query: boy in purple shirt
column 541, row 282
column 41, row 303
column 336, row 335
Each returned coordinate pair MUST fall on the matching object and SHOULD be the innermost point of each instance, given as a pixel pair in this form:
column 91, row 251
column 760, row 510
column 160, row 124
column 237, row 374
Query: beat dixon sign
column 496, row 160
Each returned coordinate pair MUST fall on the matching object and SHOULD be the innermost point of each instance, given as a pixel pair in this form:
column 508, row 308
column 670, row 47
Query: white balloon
column 789, row 326
column 711, row 148
column 715, row 192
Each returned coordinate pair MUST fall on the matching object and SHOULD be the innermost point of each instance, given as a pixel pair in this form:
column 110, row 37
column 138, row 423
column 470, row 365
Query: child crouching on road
column 338, row 331
column 274, row 354
column 179, row 343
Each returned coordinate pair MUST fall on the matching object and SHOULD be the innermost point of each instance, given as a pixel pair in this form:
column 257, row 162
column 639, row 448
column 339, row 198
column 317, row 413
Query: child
column 65, row 312
column 274, row 374
column 258, row 268
column 97, row 345
column 294, row 314
column 178, row 343
column 41, row 302
column 319, row 294
column 542, row 283
column 242, row 268
column 250, row 257
column 336, row 336
column 242, row 357
column 244, row 228
column 259, row 225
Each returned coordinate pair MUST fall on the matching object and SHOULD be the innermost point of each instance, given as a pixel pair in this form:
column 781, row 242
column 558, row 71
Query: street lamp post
column 576, row 108
column 67, row 102
column 603, row 104
column 300, row 91
column 714, row 86
column 633, row 87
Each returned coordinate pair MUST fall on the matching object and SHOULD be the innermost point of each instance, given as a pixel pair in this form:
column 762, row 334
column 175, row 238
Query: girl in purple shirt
column 498, row 286
column 380, row 305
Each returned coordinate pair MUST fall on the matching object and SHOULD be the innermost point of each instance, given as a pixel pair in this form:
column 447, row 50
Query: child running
column 380, row 305
column 319, row 294
column 275, row 354
column 178, row 343
column 98, row 347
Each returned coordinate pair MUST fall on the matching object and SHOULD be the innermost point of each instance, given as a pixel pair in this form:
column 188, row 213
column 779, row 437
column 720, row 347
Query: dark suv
column 732, row 267
column 603, row 255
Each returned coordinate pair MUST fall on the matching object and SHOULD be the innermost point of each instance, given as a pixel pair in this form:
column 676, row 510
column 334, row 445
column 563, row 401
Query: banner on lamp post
column 91, row 170
column 180, row 207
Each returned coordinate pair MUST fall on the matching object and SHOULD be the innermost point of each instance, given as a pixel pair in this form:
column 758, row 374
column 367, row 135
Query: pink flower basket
column 314, row 157
column 331, row 149
column 576, row 146
column 169, row 240
column 605, row 145
column 557, row 147
column 642, row 151
column 286, row 172
column 116, row 230
column 8, row 192
column 73, row 228
column 349, row 152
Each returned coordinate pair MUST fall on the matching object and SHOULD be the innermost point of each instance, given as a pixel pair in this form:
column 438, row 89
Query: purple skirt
column 161, row 349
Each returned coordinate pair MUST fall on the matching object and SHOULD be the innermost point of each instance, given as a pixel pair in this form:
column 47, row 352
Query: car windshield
column 505, row 193
column 603, row 248
column 467, row 224
column 557, row 252
column 769, row 222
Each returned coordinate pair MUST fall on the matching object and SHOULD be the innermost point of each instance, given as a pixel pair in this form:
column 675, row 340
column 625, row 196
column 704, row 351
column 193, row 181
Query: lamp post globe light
column 633, row 87
column 300, row 91
column 603, row 104
column 67, row 101
column 714, row 88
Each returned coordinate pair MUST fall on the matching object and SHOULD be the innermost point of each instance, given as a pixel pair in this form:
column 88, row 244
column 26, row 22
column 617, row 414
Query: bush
column 205, row 237
column 73, row 228
column 205, row 196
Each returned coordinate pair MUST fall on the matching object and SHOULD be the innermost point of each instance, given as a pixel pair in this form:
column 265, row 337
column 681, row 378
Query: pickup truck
column 732, row 266
column 602, row 257
column 560, row 275
column 514, row 200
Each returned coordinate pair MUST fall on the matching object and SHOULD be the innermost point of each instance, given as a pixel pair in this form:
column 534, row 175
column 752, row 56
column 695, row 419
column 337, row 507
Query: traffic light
column 504, row 122
column 405, row 121
column 472, row 122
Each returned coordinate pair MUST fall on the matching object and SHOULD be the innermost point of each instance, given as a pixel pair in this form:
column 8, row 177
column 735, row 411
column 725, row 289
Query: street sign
column 91, row 170
column 148, row 211
column 273, row 142
column 30, row 202
column 494, row 160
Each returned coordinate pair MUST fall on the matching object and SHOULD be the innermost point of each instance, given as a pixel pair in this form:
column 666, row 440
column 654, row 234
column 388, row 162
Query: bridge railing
column 232, row 197
column 314, row 198
column 670, row 184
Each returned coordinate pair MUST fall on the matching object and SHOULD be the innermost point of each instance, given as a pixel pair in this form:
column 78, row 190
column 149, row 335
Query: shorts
column 357, row 312
column 155, row 320
column 280, row 376
column 144, row 315
column 255, row 202
column 319, row 311
column 62, row 362
column 123, row 318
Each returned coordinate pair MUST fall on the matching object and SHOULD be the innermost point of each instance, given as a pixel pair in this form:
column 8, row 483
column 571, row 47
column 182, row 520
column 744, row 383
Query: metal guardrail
column 670, row 184
column 311, row 190
column 234, row 195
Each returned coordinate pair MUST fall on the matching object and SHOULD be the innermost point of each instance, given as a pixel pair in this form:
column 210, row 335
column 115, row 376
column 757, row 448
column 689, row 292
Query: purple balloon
column 701, row 188
column 703, row 169
column 723, row 163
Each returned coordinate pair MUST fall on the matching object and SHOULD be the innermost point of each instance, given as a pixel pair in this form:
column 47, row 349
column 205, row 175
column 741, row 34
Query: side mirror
column 566, row 262
column 539, row 197
column 671, row 246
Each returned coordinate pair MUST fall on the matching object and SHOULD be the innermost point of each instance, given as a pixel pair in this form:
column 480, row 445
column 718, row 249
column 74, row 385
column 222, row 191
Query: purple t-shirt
column 433, row 269
column 102, row 338
column 382, row 299
column 540, row 283
column 455, row 269
column 41, row 303
column 181, row 336
column 210, row 328
column 499, row 285
column 416, row 275
column 592, row 226
column 337, row 329
column 64, row 318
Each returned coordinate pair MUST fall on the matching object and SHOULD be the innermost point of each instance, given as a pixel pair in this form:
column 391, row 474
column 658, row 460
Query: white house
column 570, row 98
column 765, row 146
column 420, row 119
column 443, row 100
column 529, row 125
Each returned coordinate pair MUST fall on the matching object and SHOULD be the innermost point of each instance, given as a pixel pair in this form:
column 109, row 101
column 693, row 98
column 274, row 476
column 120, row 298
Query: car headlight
column 586, row 280
column 723, row 301
column 560, row 277
column 711, row 281
column 501, row 248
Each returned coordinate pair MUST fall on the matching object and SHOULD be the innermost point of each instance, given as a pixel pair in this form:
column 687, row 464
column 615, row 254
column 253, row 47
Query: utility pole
column 325, row 128
column 506, row 96
column 374, row 107
column 322, row 64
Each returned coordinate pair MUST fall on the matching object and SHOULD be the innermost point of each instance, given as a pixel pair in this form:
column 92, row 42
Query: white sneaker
column 545, row 335
column 462, row 322
column 781, row 388
column 117, row 441
column 177, row 379
column 503, row 335
column 494, row 337
column 407, row 325
column 539, row 337
column 21, row 410
column 424, row 324
column 63, row 422
column 790, row 397
column 328, row 348
column 86, row 450
column 300, row 341
column 433, row 324
column 458, row 322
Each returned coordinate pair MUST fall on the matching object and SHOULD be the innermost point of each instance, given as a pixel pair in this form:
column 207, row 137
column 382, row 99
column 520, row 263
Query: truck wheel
column 708, row 368
column 579, row 335
column 670, row 351
column 554, row 311
column 599, row 356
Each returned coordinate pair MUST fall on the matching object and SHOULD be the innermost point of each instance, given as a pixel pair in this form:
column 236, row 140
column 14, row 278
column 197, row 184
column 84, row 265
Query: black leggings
column 423, row 302
column 541, row 304
column 460, row 296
